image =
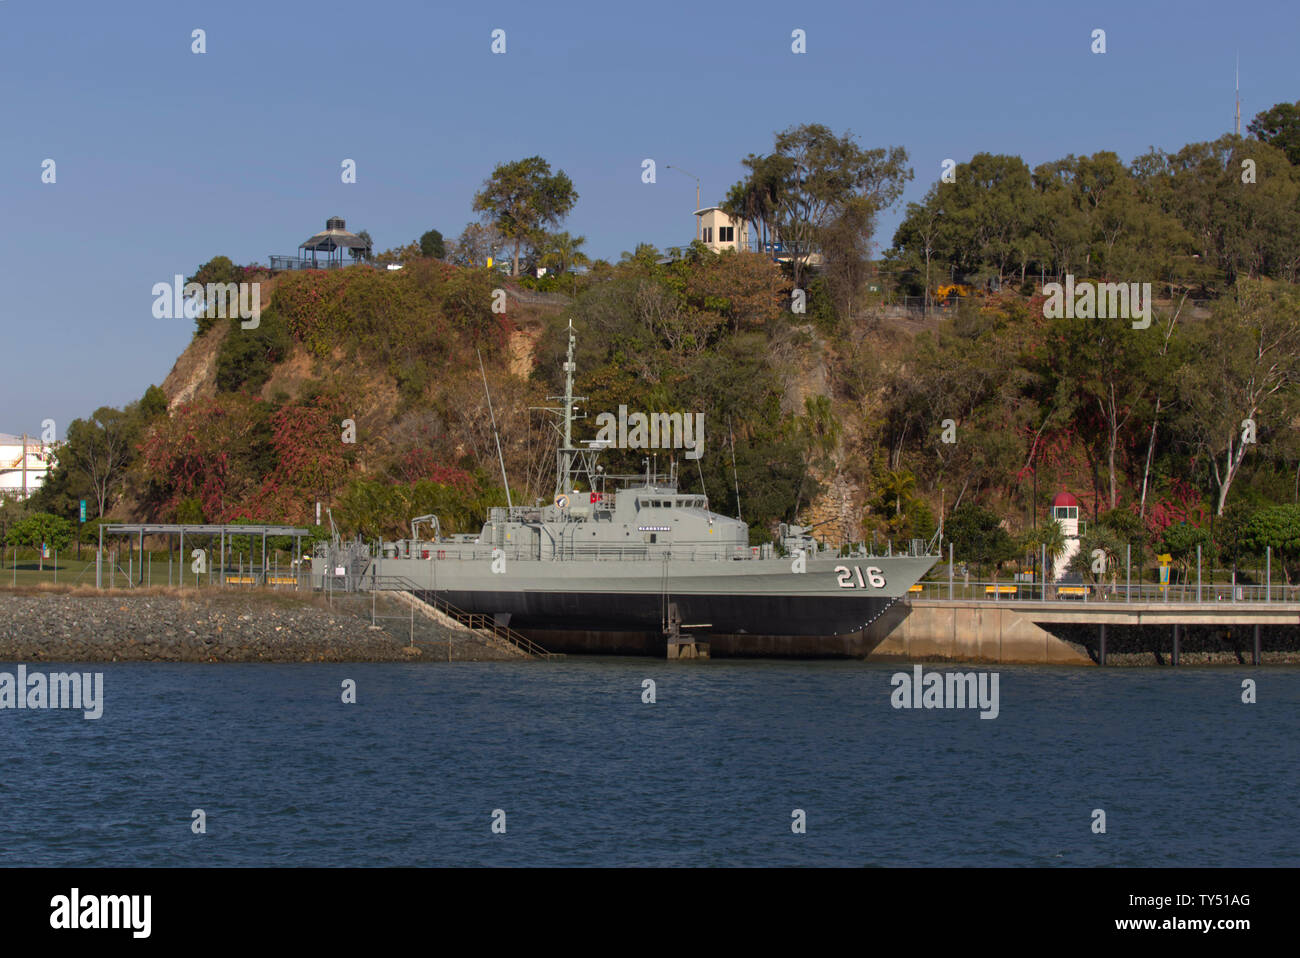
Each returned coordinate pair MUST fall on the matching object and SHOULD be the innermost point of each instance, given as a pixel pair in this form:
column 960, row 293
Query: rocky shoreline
column 167, row 625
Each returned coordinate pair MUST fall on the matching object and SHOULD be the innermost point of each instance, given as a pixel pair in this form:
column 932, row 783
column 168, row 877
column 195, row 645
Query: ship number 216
column 845, row 577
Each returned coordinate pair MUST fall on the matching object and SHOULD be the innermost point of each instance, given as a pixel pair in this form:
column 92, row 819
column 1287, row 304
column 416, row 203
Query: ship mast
column 569, row 367
column 564, row 456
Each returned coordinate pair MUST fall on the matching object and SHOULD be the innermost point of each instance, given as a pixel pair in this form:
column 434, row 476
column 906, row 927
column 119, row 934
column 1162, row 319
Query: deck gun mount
column 795, row 538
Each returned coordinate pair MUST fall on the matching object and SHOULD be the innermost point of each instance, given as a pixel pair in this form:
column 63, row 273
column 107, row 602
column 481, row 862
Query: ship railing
column 476, row 621
column 435, row 551
column 684, row 551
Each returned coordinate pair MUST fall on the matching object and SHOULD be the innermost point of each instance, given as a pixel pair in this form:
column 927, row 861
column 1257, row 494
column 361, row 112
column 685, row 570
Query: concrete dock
column 1083, row 633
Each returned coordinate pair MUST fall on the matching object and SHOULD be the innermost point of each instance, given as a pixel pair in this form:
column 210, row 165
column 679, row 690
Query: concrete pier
column 975, row 632
column 1036, row 632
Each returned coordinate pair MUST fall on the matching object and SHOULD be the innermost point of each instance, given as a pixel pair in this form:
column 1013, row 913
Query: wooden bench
column 1000, row 590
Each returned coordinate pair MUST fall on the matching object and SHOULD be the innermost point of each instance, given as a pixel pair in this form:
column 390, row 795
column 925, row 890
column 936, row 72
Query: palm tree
column 1050, row 536
column 898, row 485
column 563, row 251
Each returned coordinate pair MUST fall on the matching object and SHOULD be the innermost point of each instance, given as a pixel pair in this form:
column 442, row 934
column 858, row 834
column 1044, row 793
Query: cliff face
column 194, row 375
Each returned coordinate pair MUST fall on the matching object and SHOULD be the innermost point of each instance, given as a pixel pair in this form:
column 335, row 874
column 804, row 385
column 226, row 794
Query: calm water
column 708, row 775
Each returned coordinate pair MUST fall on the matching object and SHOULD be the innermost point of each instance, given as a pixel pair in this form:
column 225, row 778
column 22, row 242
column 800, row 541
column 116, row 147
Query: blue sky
column 166, row 158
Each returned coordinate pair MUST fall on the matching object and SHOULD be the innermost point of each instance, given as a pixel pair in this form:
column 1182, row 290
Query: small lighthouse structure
column 1065, row 510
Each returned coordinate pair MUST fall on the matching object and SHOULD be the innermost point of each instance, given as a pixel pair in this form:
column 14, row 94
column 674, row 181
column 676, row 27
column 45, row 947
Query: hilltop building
column 332, row 241
column 718, row 231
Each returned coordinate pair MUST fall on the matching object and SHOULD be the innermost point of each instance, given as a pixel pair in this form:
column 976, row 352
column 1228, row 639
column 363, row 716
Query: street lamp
column 697, row 193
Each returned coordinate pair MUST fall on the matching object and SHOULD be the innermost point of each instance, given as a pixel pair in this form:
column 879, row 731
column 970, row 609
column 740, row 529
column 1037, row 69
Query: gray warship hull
column 755, row 607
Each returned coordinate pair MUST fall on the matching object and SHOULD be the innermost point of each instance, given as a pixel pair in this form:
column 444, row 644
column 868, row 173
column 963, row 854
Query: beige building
column 718, row 231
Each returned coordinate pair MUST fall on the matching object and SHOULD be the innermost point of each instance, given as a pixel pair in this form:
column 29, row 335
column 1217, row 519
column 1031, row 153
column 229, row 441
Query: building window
column 708, row 234
column 726, row 234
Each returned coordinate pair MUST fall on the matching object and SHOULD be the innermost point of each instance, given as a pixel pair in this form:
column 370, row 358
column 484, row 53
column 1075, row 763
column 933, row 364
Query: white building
column 718, row 231
column 24, row 463
column 1065, row 510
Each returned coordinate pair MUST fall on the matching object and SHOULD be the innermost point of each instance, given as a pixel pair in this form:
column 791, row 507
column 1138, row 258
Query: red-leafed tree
column 419, row 464
column 212, row 450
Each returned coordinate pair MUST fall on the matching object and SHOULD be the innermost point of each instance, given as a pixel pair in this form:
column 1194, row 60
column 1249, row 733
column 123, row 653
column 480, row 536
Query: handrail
column 1074, row 593
column 476, row 621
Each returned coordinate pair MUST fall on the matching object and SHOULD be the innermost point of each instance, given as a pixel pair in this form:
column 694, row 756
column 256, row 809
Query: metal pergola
column 334, row 239
column 140, row 530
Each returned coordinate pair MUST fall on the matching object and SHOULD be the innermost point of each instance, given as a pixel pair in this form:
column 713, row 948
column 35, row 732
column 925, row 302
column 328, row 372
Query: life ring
column 442, row 554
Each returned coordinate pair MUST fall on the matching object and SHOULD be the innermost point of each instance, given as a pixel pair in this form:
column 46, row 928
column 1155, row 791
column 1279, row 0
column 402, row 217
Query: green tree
column 523, row 197
column 562, row 251
column 897, row 493
column 1241, row 384
column 1102, row 368
column 431, row 245
column 1234, row 227
column 1278, row 528
column 152, row 404
column 920, row 240
column 989, row 212
column 247, row 357
column 1048, row 537
column 360, row 255
column 101, row 448
column 39, row 529
column 815, row 178
column 1099, row 555
column 977, row 535
column 1279, row 126
column 1180, row 540
column 219, row 269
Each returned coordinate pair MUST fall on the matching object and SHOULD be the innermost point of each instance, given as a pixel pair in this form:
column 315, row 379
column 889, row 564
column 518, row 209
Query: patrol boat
column 624, row 564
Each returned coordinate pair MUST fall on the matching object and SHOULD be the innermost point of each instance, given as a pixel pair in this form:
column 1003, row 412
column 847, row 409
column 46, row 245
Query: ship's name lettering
column 654, row 529
column 845, row 576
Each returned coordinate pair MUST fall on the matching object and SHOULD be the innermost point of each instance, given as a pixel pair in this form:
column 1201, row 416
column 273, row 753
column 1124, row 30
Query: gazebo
column 334, row 239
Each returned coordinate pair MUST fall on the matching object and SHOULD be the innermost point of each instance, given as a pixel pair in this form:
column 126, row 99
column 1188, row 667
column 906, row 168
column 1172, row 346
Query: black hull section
column 734, row 625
